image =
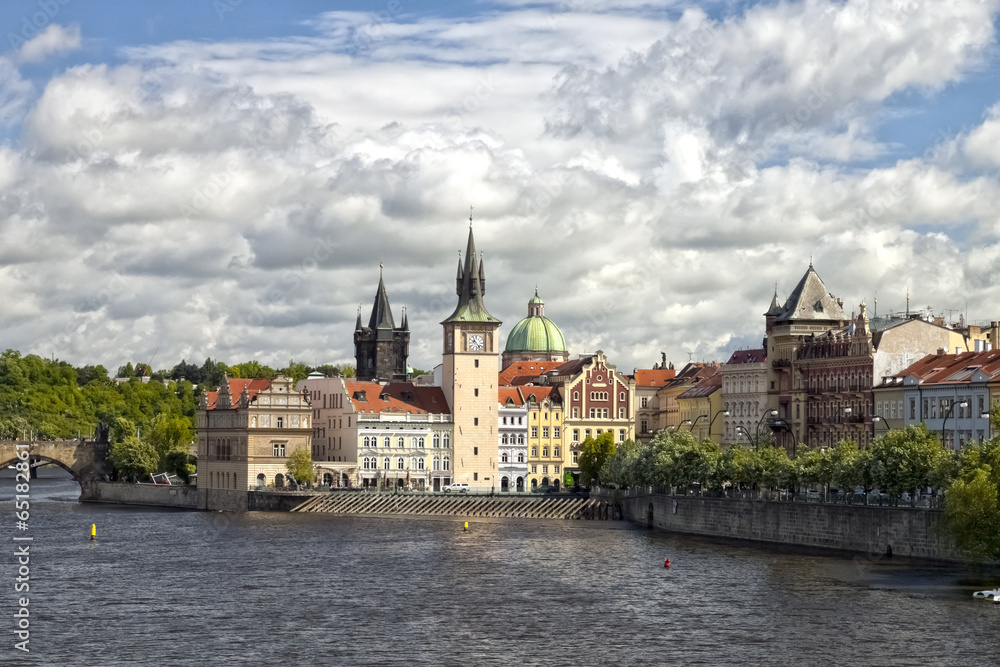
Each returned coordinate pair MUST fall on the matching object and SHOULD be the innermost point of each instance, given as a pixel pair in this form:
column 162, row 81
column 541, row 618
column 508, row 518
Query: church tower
column 381, row 348
column 469, row 375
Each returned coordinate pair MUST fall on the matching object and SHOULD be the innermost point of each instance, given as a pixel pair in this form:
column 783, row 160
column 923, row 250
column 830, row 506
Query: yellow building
column 701, row 407
column 545, row 436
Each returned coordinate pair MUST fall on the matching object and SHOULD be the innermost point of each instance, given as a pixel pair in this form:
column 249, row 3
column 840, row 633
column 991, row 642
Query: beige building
column 469, row 376
column 381, row 435
column 744, row 394
column 247, row 430
column 701, row 409
column 650, row 416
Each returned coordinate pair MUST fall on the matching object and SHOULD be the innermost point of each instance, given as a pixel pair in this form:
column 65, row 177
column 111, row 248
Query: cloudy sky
column 222, row 178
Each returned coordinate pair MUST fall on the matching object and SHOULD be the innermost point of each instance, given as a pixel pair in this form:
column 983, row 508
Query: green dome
column 535, row 334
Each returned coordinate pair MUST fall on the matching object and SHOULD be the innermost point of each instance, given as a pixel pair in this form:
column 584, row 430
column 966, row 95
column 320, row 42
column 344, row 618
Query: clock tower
column 469, row 375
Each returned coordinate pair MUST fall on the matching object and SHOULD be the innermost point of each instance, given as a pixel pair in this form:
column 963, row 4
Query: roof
column 236, row 385
column 525, row 369
column 541, row 393
column 954, row 368
column 396, row 397
column 535, row 333
column 645, row 377
column 511, row 394
column 756, row 356
column 810, row 300
column 706, row 387
column 470, row 287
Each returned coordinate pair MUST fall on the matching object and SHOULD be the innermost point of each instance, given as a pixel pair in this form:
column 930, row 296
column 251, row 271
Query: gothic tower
column 469, row 375
column 381, row 348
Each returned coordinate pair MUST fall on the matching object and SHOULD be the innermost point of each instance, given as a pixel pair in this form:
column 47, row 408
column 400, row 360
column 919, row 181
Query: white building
column 744, row 394
column 513, row 439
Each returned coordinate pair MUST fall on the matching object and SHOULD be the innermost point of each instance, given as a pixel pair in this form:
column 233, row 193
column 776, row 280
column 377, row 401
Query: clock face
column 476, row 342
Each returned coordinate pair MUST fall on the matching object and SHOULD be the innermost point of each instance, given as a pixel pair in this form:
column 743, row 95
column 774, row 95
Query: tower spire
column 471, row 280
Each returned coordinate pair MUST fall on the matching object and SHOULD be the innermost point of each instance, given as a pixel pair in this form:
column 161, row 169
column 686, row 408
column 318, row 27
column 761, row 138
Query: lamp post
column 696, row 420
column 686, row 421
column 876, row 419
column 723, row 412
column 767, row 413
column 961, row 404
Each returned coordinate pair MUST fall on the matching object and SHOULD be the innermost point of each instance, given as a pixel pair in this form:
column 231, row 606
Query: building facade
column 381, row 348
column 513, row 439
column 649, row 416
column 247, row 430
column 744, row 394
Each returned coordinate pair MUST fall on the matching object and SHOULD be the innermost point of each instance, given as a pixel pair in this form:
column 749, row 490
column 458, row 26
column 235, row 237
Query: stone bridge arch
column 85, row 460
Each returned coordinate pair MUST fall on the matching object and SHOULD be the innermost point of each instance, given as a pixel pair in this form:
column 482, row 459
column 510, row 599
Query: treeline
column 910, row 460
column 50, row 399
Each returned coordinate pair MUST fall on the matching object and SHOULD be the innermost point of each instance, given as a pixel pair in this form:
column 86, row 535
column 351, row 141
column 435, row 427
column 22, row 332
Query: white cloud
column 55, row 39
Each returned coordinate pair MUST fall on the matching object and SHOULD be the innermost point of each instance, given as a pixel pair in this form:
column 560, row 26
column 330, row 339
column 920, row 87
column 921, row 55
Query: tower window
column 475, row 392
column 475, row 451
column 477, row 363
column 475, row 421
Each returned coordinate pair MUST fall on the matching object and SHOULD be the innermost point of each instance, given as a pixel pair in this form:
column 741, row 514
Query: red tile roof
column 236, row 388
column 541, row 393
column 528, row 369
column 510, row 393
column 645, row 377
column 954, row 368
column 396, row 397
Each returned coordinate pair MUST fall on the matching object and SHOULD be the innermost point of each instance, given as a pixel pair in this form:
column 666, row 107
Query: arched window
column 520, row 457
column 437, row 440
column 413, row 441
column 413, row 463
column 446, row 464
column 401, row 442
column 446, row 442
column 420, row 442
column 387, row 441
column 399, row 463
column 503, row 457
column 367, row 443
column 420, row 464
column 437, row 463
column 505, row 439
column 520, row 438
column 385, row 463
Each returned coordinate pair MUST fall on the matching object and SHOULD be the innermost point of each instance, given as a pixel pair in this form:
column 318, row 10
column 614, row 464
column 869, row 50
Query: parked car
column 457, row 487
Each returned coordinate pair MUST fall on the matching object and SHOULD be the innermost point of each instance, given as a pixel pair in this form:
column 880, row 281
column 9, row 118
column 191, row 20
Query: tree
column 300, row 466
column 132, row 459
column 905, row 459
column 594, row 453
column 169, row 434
column 972, row 514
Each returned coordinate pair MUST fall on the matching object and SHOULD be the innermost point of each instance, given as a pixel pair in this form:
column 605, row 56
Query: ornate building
column 381, row 348
column 744, row 393
column 535, row 338
column 246, row 432
column 469, row 375
column 513, row 439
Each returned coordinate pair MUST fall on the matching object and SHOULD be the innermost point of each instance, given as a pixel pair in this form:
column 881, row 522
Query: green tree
column 132, row 459
column 594, row 453
column 905, row 459
column 300, row 466
column 169, row 434
column 972, row 514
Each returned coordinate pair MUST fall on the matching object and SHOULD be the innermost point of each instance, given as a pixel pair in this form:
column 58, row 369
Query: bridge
column 84, row 460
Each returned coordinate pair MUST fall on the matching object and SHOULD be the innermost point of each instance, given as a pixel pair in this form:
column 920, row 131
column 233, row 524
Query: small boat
column 994, row 594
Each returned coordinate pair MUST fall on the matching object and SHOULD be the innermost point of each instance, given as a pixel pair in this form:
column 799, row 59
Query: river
column 170, row 587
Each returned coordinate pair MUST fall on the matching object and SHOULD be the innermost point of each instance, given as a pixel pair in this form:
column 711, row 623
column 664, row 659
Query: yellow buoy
column 466, row 527
column 93, row 531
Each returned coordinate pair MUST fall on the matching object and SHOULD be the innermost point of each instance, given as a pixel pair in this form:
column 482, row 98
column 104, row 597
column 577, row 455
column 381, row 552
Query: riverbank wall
column 160, row 495
column 868, row 529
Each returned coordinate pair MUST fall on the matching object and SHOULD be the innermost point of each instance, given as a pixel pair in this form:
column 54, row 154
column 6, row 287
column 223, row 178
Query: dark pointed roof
column 470, row 288
column 810, row 300
column 775, row 309
column 381, row 312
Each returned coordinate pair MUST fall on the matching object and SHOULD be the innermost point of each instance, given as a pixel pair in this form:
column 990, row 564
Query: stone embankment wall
column 157, row 495
column 908, row 532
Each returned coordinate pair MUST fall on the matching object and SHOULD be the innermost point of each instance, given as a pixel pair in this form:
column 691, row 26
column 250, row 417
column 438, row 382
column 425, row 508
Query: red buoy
column 666, row 563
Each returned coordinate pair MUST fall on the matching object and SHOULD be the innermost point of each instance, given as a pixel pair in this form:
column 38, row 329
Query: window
column 446, row 463
column 503, row 457
column 437, row 440
column 534, row 431
column 576, row 435
column 621, row 413
column 621, row 396
column 437, row 463
column 621, row 435
column 446, row 441
column 576, row 457
column 545, row 470
column 475, row 421
column 279, row 449
column 413, row 441
column 475, row 392
column 592, row 413
column 555, row 431
column 520, row 438
column 645, row 401
column 475, row 475
column 534, row 469
column 477, row 363
column 475, row 451
column 399, row 463
column 387, row 441
column 504, row 439
column 586, row 433
column 420, row 464
column 545, row 431
column 385, row 463
column 555, row 452
column 420, row 442
column 576, row 396
column 520, row 457
column 534, row 452
column 280, row 422
column 644, row 425
column 576, row 413
column 545, row 452
column 555, row 469
column 400, row 442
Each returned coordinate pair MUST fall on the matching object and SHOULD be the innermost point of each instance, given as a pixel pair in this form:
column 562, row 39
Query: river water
column 170, row 587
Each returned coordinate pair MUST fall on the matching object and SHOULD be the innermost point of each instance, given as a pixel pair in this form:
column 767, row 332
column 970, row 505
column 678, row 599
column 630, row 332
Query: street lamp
column 686, row 421
column 876, row 419
column 696, row 420
column 767, row 413
column 720, row 412
column 962, row 404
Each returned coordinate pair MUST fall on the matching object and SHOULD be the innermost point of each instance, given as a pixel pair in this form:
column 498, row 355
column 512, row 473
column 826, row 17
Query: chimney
column 940, row 352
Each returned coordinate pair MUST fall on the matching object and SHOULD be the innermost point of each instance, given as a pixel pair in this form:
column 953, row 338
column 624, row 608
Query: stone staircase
column 516, row 507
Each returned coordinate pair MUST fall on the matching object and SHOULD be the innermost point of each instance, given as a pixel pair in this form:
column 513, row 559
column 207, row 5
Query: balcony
column 781, row 363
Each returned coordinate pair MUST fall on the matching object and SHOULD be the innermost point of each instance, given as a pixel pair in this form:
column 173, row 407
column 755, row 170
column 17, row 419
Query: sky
column 223, row 178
